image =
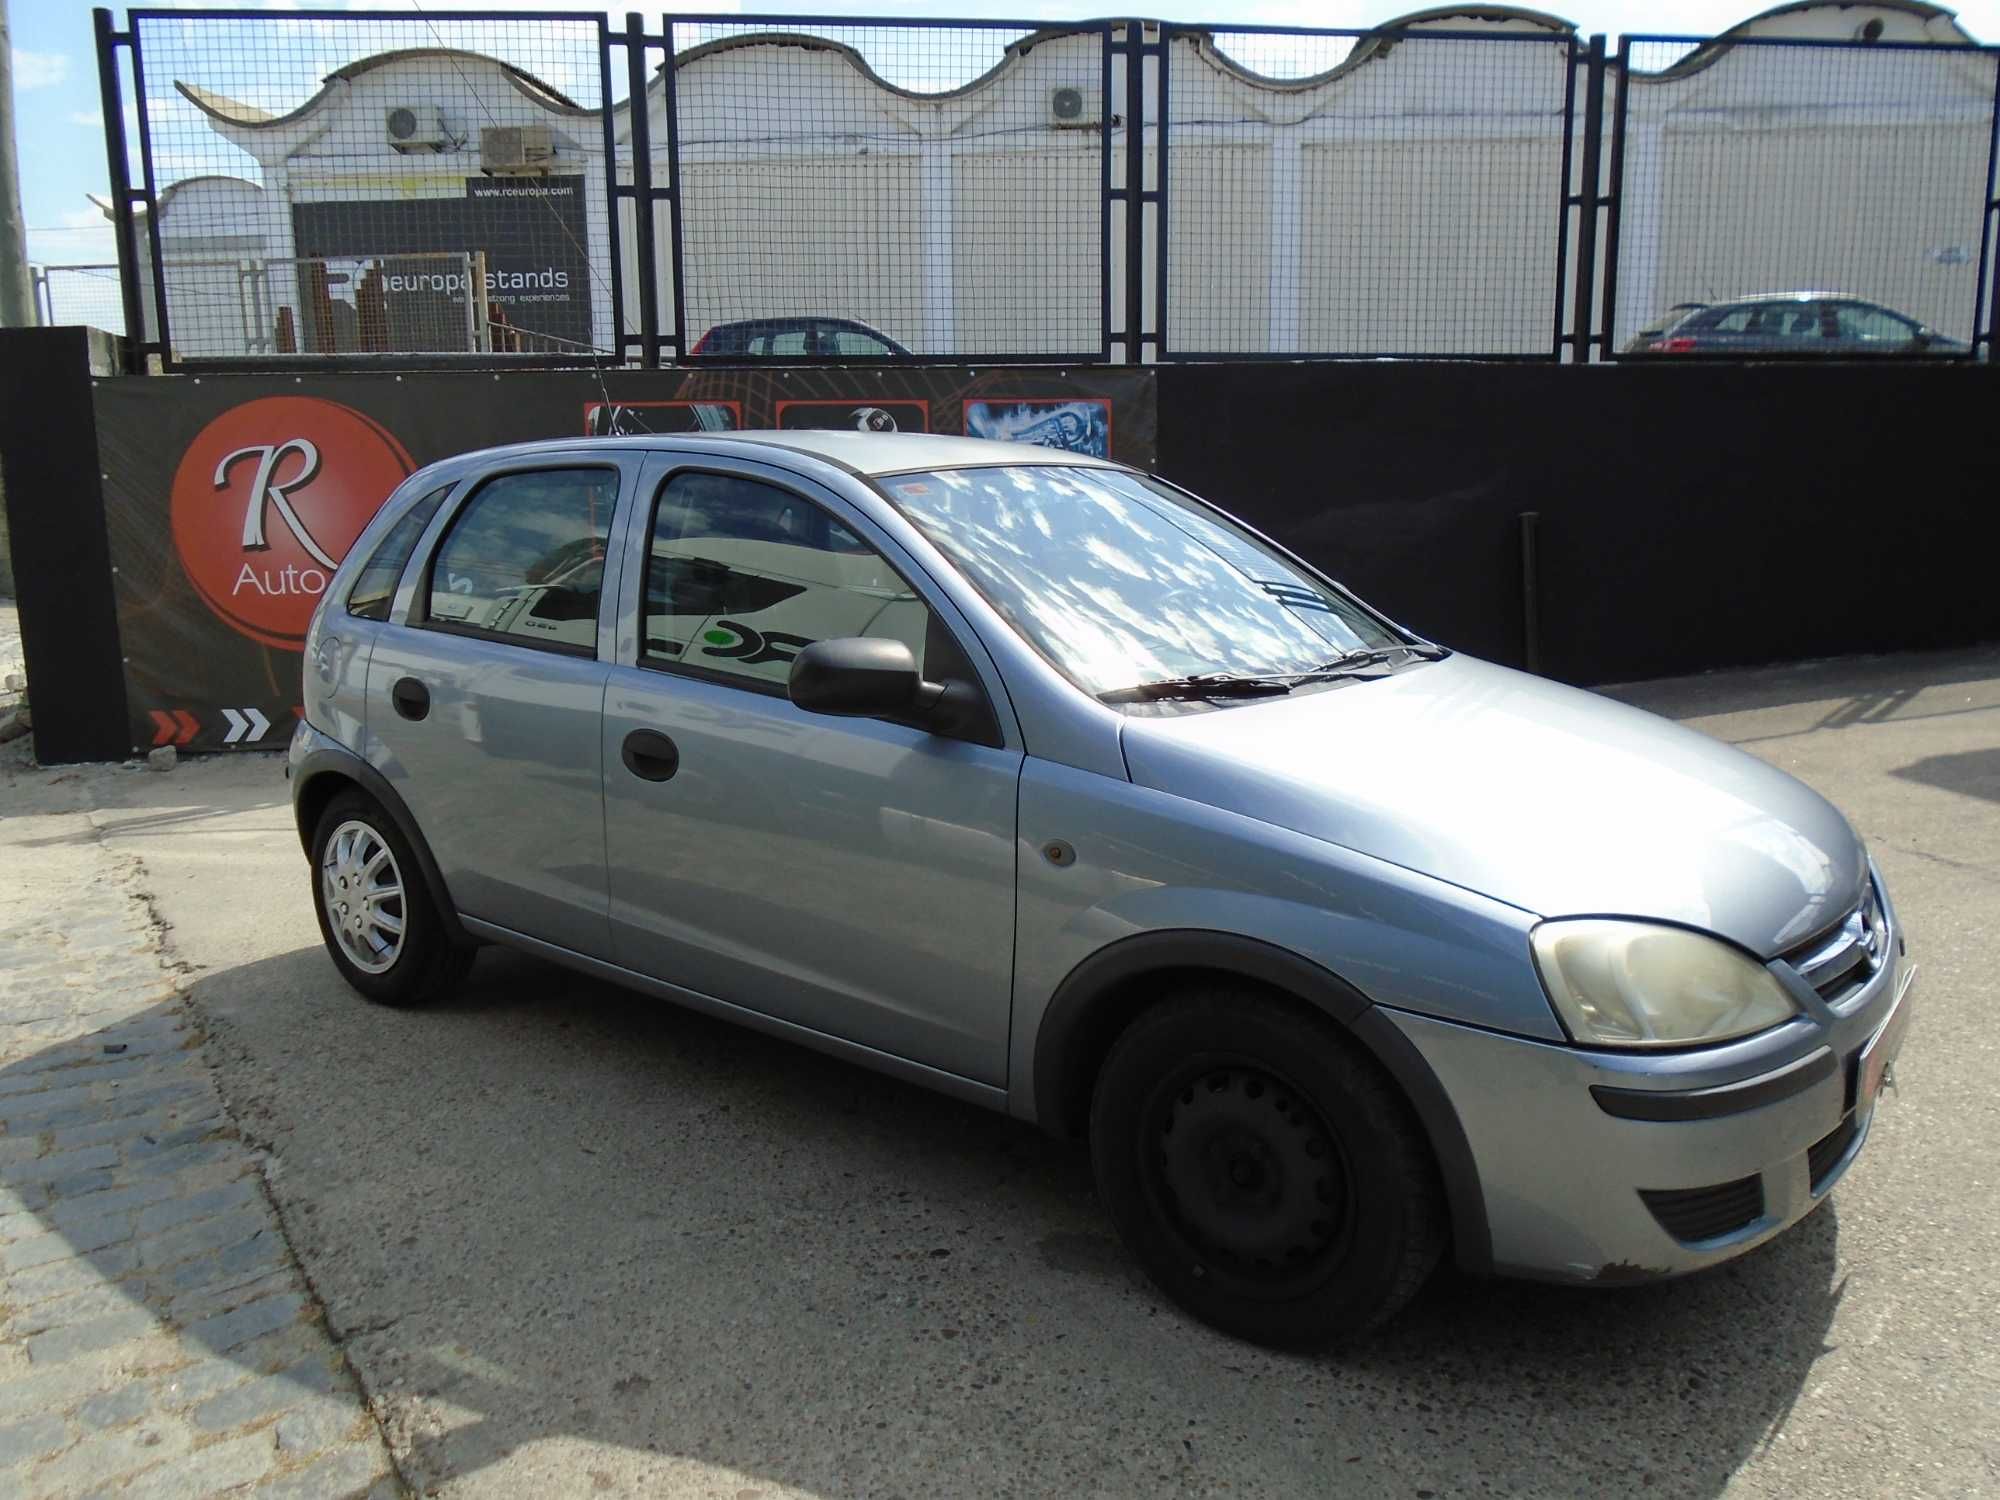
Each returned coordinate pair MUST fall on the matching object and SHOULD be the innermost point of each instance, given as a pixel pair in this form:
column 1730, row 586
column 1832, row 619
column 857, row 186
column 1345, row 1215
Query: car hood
column 1542, row 796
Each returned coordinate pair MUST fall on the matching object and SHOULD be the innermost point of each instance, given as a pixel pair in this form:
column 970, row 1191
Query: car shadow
column 565, row 1233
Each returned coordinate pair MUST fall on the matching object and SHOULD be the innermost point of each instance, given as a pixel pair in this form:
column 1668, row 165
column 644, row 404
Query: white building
column 1405, row 197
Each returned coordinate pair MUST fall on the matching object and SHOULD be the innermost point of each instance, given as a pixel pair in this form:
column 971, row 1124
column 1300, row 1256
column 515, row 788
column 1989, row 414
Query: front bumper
column 1578, row 1189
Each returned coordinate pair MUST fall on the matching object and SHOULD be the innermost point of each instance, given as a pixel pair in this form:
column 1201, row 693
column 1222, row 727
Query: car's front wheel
column 1262, row 1168
column 379, row 922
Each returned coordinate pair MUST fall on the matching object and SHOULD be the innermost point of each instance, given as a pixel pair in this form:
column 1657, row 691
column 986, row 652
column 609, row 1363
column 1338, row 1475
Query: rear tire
column 1262, row 1168
column 375, row 913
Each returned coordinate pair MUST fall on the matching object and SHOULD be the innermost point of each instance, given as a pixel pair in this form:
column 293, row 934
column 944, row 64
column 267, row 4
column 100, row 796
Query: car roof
column 857, row 452
column 1789, row 297
column 791, row 320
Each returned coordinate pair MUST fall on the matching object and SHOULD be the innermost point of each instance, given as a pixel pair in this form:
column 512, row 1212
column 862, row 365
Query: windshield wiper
column 1207, row 685
column 1372, row 656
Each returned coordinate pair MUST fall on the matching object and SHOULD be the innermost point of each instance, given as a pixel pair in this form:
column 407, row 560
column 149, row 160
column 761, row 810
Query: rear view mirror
column 860, row 677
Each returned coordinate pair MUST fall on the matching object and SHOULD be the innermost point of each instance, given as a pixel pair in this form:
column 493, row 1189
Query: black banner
column 533, row 233
column 230, row 500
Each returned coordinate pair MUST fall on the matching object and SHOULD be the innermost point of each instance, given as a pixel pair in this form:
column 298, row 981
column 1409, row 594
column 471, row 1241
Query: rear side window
column 524, row 561
column 375, row 585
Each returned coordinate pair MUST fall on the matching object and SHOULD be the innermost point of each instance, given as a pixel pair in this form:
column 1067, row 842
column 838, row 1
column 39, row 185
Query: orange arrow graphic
column 190, row 726
column 165, row 725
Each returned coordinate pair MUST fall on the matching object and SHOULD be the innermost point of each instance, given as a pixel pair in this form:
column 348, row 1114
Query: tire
column 358, row 843
column 1262, row 1168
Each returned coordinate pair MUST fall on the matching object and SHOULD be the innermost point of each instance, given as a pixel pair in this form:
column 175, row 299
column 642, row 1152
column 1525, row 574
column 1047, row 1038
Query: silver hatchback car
column 1036, row 780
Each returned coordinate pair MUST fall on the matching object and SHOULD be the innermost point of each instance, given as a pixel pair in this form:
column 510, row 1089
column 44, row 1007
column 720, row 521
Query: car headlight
column 1632, row 984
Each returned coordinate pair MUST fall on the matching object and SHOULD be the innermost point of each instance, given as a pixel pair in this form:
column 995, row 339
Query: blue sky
column 61, row 140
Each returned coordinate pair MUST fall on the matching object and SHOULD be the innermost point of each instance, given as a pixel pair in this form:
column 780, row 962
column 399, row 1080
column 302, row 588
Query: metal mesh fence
column 465, row 183
column 85, row 296
column 1365, row 192
column 291, row 156
column 1764, row 169
column 869, row 191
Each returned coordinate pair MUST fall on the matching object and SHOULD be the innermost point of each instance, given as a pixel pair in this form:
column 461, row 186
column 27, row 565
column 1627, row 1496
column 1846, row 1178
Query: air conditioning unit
column 417, row 127
column 1070, row 109
column 515, row 150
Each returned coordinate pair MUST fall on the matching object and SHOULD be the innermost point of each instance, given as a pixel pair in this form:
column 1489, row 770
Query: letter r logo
column 266, row 490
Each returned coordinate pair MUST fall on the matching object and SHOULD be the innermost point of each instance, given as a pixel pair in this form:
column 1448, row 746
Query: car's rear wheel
column 1261, row 1167
column 379, row 922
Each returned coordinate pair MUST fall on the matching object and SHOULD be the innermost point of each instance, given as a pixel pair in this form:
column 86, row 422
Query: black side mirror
column 861, row 677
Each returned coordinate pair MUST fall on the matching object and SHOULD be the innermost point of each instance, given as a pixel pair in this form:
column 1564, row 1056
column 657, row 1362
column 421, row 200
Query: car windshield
column 1119, row 580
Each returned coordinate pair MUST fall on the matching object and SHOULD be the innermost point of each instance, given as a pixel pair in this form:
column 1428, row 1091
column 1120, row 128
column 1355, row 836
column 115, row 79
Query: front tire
column 1263, row 1169
column 380, row 925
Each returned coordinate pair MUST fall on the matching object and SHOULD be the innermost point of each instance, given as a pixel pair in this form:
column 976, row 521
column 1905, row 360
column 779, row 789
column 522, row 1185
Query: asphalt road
column 580, row 1242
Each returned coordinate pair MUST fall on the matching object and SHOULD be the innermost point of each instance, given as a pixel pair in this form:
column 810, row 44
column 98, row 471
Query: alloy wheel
column 362, row 890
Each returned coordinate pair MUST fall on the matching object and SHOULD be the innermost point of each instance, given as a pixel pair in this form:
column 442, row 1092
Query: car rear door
column 485, row 697
column 849, row 876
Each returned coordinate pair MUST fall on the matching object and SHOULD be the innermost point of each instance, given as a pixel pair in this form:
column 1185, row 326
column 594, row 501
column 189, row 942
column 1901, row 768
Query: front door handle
column 650, row 755
column 411, row 697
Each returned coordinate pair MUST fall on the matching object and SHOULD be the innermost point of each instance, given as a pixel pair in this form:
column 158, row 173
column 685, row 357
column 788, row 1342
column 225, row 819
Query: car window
column 1772, row 320
column 525, row 558
column 1800, row 320
column 1872, row 325
column 784, row 341
column 850, row 341
column 742, row 575
column 1118, row 579
column 374, row 586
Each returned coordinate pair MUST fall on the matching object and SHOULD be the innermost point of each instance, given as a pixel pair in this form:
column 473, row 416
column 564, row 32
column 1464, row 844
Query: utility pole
column 17, row 293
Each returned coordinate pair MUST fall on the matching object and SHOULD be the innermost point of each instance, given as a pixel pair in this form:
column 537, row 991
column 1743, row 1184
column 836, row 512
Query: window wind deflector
column 1213, row 685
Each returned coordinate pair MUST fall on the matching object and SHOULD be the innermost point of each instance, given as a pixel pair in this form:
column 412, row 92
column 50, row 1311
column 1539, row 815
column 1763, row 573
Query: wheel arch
column 1106, row 991
column 324, row 775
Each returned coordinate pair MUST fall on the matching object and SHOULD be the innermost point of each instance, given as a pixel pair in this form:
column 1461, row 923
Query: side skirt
column 936, row 1079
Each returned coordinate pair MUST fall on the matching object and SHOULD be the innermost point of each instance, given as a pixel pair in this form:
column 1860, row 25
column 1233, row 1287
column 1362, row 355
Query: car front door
column 850, row 876
column 485, row 699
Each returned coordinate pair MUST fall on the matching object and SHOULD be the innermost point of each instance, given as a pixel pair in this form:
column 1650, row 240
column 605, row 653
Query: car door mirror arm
column 951, row 708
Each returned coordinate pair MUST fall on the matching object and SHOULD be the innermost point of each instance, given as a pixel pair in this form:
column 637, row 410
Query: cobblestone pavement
column 156, row 1334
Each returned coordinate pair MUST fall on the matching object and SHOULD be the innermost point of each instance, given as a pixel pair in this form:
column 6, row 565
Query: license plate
column 1883, row 1046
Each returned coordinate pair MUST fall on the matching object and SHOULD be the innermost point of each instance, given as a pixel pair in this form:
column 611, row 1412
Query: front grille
column 1839, row 961
column 1692, row 1214
column 1826, row 1152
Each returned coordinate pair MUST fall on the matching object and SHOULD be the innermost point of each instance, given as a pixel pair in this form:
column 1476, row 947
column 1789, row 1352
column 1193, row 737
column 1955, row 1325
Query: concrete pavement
column 572, row 1241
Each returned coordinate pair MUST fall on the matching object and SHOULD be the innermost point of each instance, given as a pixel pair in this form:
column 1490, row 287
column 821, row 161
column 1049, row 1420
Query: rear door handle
column 650, row 755
column 411, row 697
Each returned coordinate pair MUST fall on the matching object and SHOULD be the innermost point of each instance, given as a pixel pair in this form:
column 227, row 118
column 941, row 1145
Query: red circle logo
column 268, row 499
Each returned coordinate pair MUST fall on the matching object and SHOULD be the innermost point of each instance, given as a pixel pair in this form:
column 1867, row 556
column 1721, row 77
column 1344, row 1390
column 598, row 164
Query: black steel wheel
column 1263, row 1169
column 1251, row 1176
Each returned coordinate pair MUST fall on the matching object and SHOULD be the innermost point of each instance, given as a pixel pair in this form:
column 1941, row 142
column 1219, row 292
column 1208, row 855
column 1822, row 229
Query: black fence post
column 611, row 194
column 1986, row 294
column 1587, row 201
column 1563, row 198
column 1614, row 202
column 123, row 230
column 1531, row 590
column 162, row 339
column 670, row 104
column 1160, row 163
column 1135, row 189
column 640, row 139
column 1106, row 41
